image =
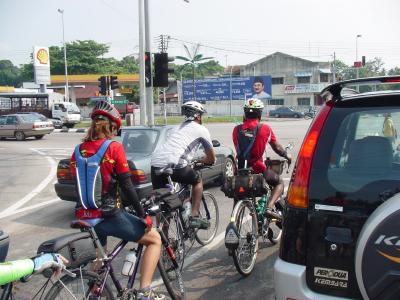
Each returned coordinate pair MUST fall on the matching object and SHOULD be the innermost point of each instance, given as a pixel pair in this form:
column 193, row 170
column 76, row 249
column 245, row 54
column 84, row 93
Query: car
column 336, row 241
column 21, row 126
column 286, row 112
column 139, row 143
column 56, row 122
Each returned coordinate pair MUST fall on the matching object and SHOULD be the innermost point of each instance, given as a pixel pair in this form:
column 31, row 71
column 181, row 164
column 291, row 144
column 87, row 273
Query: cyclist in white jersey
column 178, row 151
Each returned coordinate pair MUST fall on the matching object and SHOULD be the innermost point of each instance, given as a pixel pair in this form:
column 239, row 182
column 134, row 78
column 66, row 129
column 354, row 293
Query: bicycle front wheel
column 172, row 278
column 82, row 286
column 245, row 255
column 209, row 210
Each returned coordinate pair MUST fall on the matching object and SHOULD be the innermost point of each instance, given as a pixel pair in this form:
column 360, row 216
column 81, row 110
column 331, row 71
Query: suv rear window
column 357, row 158
column 141, row 141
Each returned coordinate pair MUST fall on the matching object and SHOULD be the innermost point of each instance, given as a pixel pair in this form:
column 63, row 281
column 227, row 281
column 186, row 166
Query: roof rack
column 334, row 91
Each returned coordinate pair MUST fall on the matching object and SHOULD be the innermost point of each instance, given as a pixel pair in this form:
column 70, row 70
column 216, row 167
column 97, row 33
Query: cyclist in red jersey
column 263, row 135
column 115, row 172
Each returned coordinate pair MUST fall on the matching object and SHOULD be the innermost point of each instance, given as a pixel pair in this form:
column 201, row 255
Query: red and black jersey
column 264, row 135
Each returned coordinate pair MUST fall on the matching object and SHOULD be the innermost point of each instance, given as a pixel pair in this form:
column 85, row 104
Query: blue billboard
column 225, row 88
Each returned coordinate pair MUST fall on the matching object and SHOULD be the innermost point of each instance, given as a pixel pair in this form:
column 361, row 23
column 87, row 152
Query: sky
column 233, row 32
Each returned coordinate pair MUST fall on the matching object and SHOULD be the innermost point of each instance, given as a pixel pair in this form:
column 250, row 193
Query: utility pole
column 149, row 90
column 142, row 77
column 163, row 47
column 334, row 67
column 66, row 92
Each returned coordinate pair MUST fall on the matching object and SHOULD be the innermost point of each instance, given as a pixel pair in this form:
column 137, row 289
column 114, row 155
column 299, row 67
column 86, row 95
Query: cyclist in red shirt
column 114, row 171
column 250, row 140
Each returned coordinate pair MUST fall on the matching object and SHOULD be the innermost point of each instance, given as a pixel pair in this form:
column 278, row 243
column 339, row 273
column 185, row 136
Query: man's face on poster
column 258, row 87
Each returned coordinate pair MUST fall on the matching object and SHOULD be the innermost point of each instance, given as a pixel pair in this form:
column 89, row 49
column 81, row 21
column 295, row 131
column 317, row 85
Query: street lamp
column 61, row 11
column 357, row 66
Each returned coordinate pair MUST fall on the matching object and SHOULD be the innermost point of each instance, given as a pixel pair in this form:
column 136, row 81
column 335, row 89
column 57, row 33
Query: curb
column 77, row 130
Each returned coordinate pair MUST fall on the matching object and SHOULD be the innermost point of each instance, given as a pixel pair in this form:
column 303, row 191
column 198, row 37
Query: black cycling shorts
column 185, row 175
column 272, row 178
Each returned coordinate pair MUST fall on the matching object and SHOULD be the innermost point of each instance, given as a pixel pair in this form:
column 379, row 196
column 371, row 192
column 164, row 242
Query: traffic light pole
column 142, row 77
column 149, row 90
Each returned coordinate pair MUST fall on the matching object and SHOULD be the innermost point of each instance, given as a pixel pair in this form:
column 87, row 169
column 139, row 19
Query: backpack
column 245, row 138
column 88, row 175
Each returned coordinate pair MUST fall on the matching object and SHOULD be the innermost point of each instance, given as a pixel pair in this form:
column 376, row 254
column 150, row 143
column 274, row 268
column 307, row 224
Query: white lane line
column 2, row 216
column 35, row 191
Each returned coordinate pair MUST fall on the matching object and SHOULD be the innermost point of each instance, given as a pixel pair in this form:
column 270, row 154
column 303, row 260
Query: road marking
column 35, row 191
column 5, row 215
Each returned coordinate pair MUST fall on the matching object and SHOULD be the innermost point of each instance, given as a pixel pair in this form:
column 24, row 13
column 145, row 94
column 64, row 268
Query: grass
column 172, row 120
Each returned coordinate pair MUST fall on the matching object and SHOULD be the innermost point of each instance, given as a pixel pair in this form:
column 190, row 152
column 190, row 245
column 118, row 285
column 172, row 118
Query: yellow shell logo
column 43, row 56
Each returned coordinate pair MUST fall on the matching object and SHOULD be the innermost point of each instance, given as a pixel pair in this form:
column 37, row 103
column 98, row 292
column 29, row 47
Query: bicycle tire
column 173, row 281
column 59, row 291
column 205, row 236
column 172, row 229
column 247, row 241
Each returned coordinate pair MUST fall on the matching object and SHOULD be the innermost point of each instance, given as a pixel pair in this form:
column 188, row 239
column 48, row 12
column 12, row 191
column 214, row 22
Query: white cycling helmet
column 192, row 110
column 253, row 108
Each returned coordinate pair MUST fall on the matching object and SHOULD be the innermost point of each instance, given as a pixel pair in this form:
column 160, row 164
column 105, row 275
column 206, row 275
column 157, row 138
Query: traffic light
column 114, row 82
column 363, row 60
column 103, row 85
column 161, row 69
column 147, row 68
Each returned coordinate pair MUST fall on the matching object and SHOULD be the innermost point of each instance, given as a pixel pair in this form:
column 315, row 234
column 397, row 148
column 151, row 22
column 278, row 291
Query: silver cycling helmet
column 192, row 110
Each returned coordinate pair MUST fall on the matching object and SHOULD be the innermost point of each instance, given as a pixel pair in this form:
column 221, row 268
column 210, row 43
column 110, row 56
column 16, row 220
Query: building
column 295, row 81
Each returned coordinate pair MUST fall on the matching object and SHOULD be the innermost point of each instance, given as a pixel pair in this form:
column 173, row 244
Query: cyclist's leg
column 276, row 182
column 151, row 255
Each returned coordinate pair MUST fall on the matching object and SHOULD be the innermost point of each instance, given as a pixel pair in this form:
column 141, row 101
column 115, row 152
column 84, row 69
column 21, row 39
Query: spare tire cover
column 377, row 260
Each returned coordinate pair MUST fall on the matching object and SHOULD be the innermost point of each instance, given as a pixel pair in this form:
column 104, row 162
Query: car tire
column 296, row 116
column 39, row 137
column 19, row 135
column 69, row 125
column 229, row 169
column 276, row 115
column 2, row 138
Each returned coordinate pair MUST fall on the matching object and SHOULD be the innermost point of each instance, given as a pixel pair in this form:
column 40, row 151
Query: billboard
column 226, row 88
column 41, row 65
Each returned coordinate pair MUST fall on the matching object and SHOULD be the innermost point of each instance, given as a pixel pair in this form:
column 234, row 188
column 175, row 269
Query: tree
column 193, row 60
column 9, row 74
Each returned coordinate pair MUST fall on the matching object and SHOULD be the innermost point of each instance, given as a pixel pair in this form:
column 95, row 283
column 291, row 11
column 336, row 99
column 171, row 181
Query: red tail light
column 64, row 174
column 298, row 189
column 138, row 176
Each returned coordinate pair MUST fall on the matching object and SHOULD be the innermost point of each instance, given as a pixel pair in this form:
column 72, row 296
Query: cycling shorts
column 185, row 175
column 272, row 178
column 122, row 225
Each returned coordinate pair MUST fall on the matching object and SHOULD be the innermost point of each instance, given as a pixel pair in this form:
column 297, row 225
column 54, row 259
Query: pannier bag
column 78, row 248
column 245, row 186
column 4, row 243
column 167, row 201
column 275, row 165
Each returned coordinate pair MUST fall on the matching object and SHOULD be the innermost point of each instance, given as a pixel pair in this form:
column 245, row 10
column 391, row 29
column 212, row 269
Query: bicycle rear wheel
column 172, row 278
column 209, row 210
column 245, row 255
column 80, row 287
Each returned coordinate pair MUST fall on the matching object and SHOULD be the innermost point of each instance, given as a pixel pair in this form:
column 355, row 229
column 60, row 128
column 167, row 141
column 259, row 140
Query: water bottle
column 261, row 206
column 129, row 263
column 187, row 206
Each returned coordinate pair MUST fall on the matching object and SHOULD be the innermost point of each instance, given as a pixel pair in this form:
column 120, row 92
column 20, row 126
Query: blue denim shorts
column 123, row 225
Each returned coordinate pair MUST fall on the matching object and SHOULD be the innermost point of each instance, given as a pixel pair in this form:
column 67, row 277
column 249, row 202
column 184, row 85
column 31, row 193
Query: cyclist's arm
column 127, row 187
column 205, row 139
column 278, row 149
column 14, row 270
column 209, row 159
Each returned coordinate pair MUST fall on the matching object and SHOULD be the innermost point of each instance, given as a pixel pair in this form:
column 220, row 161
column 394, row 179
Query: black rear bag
column 167, row 201
column 4, row 243
column 78, row 248
column 245, row 186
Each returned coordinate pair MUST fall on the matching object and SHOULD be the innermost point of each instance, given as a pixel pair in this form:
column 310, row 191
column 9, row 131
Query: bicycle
column 248, row 219
column 93, row 285
column 175, row 223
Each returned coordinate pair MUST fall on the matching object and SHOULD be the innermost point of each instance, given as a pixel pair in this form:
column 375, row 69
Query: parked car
column 285, row 112
column 345, row 170
column 56, row 122
column 139, row 143
column 21, row 126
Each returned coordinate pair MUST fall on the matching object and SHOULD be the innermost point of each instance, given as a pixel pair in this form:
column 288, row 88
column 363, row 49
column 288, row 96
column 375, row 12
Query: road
column 31, row 213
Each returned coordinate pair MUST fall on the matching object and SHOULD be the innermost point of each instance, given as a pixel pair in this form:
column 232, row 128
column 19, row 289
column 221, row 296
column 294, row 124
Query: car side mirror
column 215, row 143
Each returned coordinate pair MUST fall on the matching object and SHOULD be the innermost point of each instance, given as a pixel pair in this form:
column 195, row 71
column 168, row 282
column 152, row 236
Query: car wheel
column 296, row 116
column 276, row 115
column 70, row 125
column 229, row 169
column 2, row 138
column 19, row 135
column 38, row 137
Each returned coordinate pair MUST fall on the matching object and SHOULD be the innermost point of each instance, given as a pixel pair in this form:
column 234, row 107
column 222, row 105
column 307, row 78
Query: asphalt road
column 31, row 213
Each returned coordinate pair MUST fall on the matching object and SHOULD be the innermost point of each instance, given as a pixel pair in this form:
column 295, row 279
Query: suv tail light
column 298, row 189
column 138, row 176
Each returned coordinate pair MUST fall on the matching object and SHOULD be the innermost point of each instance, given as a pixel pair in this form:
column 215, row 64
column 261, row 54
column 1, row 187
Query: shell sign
column 41, row 56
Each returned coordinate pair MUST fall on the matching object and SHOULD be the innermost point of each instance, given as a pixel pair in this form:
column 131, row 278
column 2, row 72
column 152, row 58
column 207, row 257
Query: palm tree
column 193, row 59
